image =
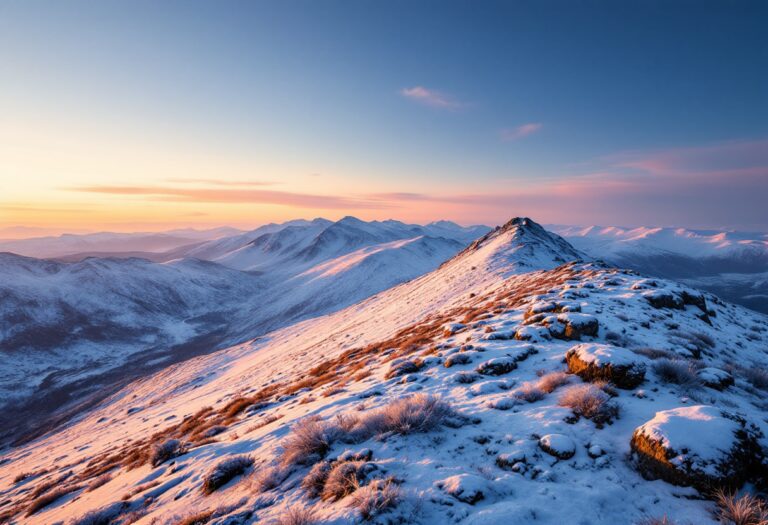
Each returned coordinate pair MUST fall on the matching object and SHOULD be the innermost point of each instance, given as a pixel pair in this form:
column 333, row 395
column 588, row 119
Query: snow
column 601, row 355
column 699, row 433
column 558, row 445
column 492, row 451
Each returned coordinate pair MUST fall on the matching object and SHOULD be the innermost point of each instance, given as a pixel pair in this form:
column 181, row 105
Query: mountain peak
column 520, row 245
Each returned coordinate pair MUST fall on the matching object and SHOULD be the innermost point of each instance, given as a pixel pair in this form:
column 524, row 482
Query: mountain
column 61, row 322
column 79, row 246
column 502, row 387
column 731, row 264
column 73, row 332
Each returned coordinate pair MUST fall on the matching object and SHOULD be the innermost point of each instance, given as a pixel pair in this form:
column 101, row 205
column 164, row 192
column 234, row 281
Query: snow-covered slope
column 76, row 329
column 728, row 263
column 60, row 322
column 473, row 394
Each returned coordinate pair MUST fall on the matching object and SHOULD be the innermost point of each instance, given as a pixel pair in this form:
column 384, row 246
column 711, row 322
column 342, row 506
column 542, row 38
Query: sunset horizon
column 151, row 118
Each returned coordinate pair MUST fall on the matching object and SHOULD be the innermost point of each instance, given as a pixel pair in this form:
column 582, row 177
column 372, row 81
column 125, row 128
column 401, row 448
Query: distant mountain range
column 733, row 265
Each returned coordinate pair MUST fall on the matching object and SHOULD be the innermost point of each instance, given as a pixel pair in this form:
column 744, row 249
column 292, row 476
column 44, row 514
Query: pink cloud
column 430, row 97
column 509, row 135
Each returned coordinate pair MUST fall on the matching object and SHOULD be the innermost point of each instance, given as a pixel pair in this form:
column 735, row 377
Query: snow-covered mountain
column 72, row 330
column 510, row 385
column 79, row 246
column 731, row 264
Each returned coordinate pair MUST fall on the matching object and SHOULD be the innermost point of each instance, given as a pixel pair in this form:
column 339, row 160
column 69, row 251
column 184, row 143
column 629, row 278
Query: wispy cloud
column 509, row 135
column 430, row 97
column 221, row 182
column 239, row 196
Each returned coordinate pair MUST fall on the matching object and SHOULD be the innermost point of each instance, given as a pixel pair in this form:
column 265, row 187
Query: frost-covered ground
column 445, row 399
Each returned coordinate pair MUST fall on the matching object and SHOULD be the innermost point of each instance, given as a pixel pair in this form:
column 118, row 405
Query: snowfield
column 517, row 383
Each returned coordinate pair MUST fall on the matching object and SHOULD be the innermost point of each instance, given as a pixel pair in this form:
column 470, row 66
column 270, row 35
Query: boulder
column 558, row 445
column 468, row 488
column 700, row 446
column 497, row 366
column 715, row 378
column 596, row 362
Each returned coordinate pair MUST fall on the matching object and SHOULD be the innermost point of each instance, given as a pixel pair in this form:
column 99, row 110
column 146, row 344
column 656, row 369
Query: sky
column 148, row 115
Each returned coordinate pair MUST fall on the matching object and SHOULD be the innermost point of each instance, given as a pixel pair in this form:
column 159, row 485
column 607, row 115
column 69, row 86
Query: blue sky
column 418, row 107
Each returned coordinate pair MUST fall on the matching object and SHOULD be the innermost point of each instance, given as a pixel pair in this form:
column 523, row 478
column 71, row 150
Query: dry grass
column 344, row 478
column 309, row 442
column 165, row 451
column 589, row 401
column 414, row 414
column 267, row 478
column 376, row 498
column 746, row 510
column 655, row 353
column 757, row 377
column 199, row 518
column 297, row 515
column 99, row 481
column 529, row 392
column 314, row 482
column 548, row 383
column 676, row 371
column 225, row 471
column 49, row 497
column 663, row 520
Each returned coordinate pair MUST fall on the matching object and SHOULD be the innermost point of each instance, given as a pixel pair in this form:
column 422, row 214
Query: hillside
column 513, row 384
column 75, row 331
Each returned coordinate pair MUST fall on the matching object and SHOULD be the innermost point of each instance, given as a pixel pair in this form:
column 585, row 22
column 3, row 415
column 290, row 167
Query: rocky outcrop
column 699, row 446
column 601, row 362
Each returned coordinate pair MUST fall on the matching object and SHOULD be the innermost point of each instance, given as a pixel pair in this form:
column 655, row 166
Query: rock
column 464, row 487
column 458, row 359
column 578, row 325
column 497, row 366
column 699, row 446
column 594, row 361
column 715, row 378
column 558, row 445
column 509, row 459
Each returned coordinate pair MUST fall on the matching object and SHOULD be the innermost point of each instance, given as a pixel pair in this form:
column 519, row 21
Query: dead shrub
column 466, row 377
column 746, row 510
column 224, row 471
column 548, row 383
column 314, row 481
column 309, row 442
column 413, row 414
column 267, row 478
column 297, row 515
column 757, row 377
column 344, row 478
column 376, row 498
column 165, row 451
column 654, row 353
column 591, row 402
column 529, row 392
column 199, row 518
column 676, row 371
